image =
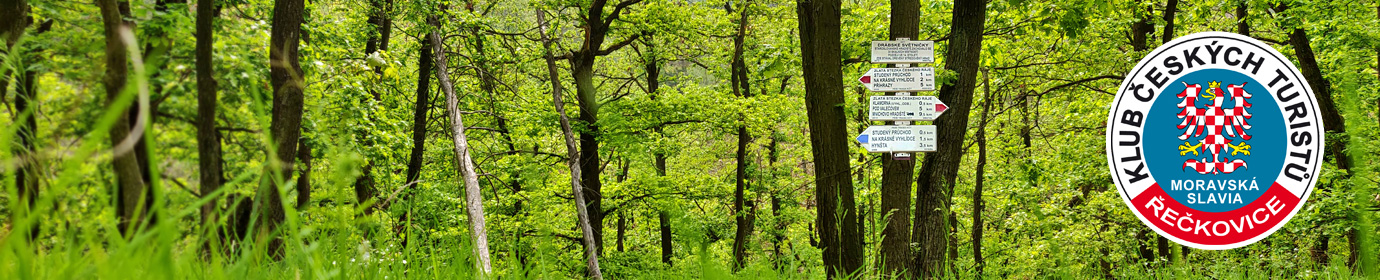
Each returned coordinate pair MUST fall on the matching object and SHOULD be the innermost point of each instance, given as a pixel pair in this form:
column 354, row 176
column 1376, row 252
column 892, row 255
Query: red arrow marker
column 865, row 79
column 939, row 108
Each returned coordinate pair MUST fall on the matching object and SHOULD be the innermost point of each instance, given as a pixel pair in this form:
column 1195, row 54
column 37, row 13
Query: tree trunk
column 573, row 156
column 135, row 197
column 653, row 69
column 366, row 186
column 487, row 84
column 419, row 113
column 837, row 212
column 897, row 174
column 582, row 70
column 1243, row 25
column 622, row 226
column 940, row 168
column 1141, row 29
column 1332, row 118
column 381, row 19
column 981, row 174
column 1322, row 88
column 419, row 119
column 740, row 84
column 1162, row 245
column 664, row 217
column 474, row 200
column 286, row 127
column 1140, row 32
column 207, row 138
column 1169, row 10
column 14, row 19
column 778, row 232
column 157, row 44
column 304, row 174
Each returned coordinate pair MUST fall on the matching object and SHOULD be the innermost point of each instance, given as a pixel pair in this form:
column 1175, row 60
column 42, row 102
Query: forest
column 627, row 139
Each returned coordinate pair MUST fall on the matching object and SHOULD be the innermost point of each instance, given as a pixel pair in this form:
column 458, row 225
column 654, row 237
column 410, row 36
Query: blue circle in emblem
column 1215, row 191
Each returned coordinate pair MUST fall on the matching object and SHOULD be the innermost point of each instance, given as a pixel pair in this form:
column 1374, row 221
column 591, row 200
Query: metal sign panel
column 902, row 51
column 899, row 79
column 905, row 108
column 898, row 138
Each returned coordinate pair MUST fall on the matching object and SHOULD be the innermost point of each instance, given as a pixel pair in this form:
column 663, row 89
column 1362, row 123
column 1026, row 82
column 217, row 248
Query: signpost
column 900, row 108
column 899, row 79
column 905, row 108
column 903, row 51
column 898, row 138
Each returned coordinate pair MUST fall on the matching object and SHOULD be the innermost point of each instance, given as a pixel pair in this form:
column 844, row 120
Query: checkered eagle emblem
column 1212, row 121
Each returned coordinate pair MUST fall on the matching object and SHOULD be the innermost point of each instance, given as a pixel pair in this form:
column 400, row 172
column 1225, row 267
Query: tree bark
column 1322, row 88
column 741, row 88
column 135, row 197
column 366, row 186
column 286, row 127
column 1141, row 29
column 981, row 174
column 1140, row 32
column 940, row 168
column 157, row 43
column 596, row 27
column 207, row 138
column 622, row 225
column 664, row 217
column 778, row 232
column 653, row 69
column 382, row 20
column 837, row 212
column 14, row 19
column 622, row 228
column 1243, row 25
column 487, row 84
column 573, row 156
column 1333, row 123
column 1169, row 10
column 1162, row 245
column 419, row 119
column 897, row 175
column 419, row 113
column 474, row 200
column 303, row 174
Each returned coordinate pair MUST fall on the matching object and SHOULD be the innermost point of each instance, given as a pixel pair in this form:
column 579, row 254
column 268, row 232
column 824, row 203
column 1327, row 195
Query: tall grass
column 174, row 247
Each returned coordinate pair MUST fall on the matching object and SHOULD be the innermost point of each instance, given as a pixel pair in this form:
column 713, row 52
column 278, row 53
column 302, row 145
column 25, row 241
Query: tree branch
column 618, row 9
column 621, row 44
column 1074, row 83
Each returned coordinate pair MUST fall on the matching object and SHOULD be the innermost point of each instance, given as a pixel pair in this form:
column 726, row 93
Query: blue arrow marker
column 862, row 139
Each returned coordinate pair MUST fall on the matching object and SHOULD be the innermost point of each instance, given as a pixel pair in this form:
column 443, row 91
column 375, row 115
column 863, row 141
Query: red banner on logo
column 1215, row 228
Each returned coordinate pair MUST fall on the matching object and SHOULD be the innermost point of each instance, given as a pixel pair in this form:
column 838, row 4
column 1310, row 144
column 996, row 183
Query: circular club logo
column 1214, row 140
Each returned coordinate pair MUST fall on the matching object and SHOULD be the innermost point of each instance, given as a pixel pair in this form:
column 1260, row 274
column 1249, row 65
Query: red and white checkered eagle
column 1213, row 120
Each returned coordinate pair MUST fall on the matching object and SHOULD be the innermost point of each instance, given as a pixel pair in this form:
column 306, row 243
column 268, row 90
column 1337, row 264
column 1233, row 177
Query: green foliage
column 1051, row 209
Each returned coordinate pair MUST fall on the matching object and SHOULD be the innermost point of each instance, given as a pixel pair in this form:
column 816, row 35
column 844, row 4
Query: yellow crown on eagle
column 1209, row 94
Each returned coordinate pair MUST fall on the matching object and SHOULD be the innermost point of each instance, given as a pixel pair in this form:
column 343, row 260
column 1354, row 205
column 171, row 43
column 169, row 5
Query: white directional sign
column 898, row 138
column 905, row 108
column 899, row 79
column 902, row 51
